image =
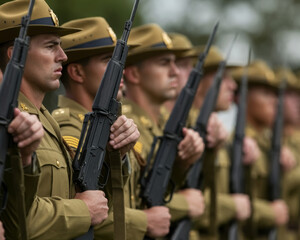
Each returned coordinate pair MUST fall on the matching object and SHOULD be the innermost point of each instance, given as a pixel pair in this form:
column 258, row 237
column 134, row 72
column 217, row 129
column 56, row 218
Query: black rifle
column 10, row 87
column 154, row 186
column 193, row 178
column 237, row 169
column 274, row 178
column 90, row 154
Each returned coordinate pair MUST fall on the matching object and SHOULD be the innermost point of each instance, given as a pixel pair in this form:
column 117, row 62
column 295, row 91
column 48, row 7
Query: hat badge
column 112, row 34
column 54, row 18
column 167, row 40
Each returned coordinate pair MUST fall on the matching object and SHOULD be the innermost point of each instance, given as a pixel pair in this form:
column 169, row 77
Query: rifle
column 193, row 177
column 10, row 87
column 237, row 173
column 90, row 154
column 155, row 184
column 274, row 178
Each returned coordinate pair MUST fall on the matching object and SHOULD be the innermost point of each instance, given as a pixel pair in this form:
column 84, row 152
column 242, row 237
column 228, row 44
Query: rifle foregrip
column 160, row 174
column 182, row 230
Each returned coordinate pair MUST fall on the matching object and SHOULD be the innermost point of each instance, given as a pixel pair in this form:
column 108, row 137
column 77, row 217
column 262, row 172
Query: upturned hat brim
column 10, row 33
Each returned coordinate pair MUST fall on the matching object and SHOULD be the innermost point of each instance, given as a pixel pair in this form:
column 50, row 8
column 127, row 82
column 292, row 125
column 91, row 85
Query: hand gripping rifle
column 193, row 177
column 154, row 186
column 237, row 173
column 90, row 154
column 274, row 178
column 10, row 87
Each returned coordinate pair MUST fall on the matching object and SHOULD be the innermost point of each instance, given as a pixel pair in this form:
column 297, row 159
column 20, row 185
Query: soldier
column 27, row 132
column 150, row 79
column 88, row 54
column 291, row 139
column 262, row 91
column 57, row 212
column 228, row 206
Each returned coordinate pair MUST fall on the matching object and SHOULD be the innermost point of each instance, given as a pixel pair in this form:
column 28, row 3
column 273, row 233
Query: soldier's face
column 226, row 94
column 291, row 107
column 185, row 66
column 158, row 78
column 261, row 108
column 94, row 71
column 44, row 63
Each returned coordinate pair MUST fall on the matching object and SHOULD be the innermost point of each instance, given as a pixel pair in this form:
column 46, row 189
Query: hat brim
column 81, row 53
column 9, row 34
column 137, row 57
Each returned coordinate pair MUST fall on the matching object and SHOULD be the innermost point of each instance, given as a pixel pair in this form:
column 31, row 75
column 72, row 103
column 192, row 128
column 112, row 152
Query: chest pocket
column 54, row 177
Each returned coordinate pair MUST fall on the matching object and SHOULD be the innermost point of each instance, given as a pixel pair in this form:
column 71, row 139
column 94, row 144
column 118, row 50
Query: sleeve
column 57, row 218
column 178, row 207
column 226, row 211
column 136, row 226
column 263, row 215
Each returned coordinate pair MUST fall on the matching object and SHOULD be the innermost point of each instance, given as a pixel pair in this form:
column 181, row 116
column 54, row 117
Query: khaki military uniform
column 291, row 187
column 148, row 130
column 225, row 208
column 263, row 216
column 53, row 213
column 70, row 115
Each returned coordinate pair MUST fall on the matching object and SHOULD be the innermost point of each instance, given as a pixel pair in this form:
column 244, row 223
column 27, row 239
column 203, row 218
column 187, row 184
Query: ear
column 132, row 75
column 10, row 51
column 76, row 72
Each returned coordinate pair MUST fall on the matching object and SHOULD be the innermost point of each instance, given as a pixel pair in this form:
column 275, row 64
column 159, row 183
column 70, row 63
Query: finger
column 28, row 131
column 18, row 119
column 130, row 139
column 118, row 123
column 33, row 139
column 123, row 131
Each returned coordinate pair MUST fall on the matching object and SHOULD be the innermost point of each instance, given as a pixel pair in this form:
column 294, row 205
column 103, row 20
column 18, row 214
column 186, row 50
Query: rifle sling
column 18, row 185
column 118, row 195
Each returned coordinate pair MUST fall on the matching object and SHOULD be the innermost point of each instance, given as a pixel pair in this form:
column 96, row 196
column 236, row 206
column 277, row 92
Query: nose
column 61, row 56
column 174, row 69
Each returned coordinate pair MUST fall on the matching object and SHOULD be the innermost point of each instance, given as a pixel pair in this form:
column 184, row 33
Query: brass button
column 57, row 163
column 132, row 197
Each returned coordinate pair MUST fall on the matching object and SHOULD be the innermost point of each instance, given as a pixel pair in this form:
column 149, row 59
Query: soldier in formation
column 43, row 202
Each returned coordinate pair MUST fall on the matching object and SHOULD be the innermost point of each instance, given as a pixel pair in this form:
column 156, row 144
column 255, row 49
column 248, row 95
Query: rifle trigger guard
column 104, row 175
column 171, row 193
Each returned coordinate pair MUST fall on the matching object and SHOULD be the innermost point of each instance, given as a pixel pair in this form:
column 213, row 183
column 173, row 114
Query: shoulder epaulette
column 61, row 114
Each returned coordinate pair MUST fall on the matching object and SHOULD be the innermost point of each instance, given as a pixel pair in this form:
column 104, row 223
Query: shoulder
column 61, row 115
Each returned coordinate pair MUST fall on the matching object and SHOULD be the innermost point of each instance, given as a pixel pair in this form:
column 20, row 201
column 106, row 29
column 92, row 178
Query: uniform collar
column 43, row 115
column 65, row 102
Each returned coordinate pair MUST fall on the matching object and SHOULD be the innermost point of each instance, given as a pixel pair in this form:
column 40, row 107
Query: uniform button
column 57, row 163
column 132, row 197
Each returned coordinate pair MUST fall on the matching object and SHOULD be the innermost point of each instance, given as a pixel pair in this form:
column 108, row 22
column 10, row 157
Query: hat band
column 102, row 42
column 159, row 45
column 43, row 21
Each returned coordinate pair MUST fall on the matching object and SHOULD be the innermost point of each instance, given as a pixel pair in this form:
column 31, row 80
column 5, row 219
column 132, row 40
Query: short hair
column 4, row 59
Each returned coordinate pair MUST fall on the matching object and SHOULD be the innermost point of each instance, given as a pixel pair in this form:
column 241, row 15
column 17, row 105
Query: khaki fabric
column 69, row 116
column 291, row 186
column 53, row 213
column 148, row 130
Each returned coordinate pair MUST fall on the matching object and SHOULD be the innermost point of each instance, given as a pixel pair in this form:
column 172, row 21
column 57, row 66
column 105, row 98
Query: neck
column 170, row 104
column 84, row 100
column 152, row 108
column 289, row 129
column 34, row 95
column 256, row 125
